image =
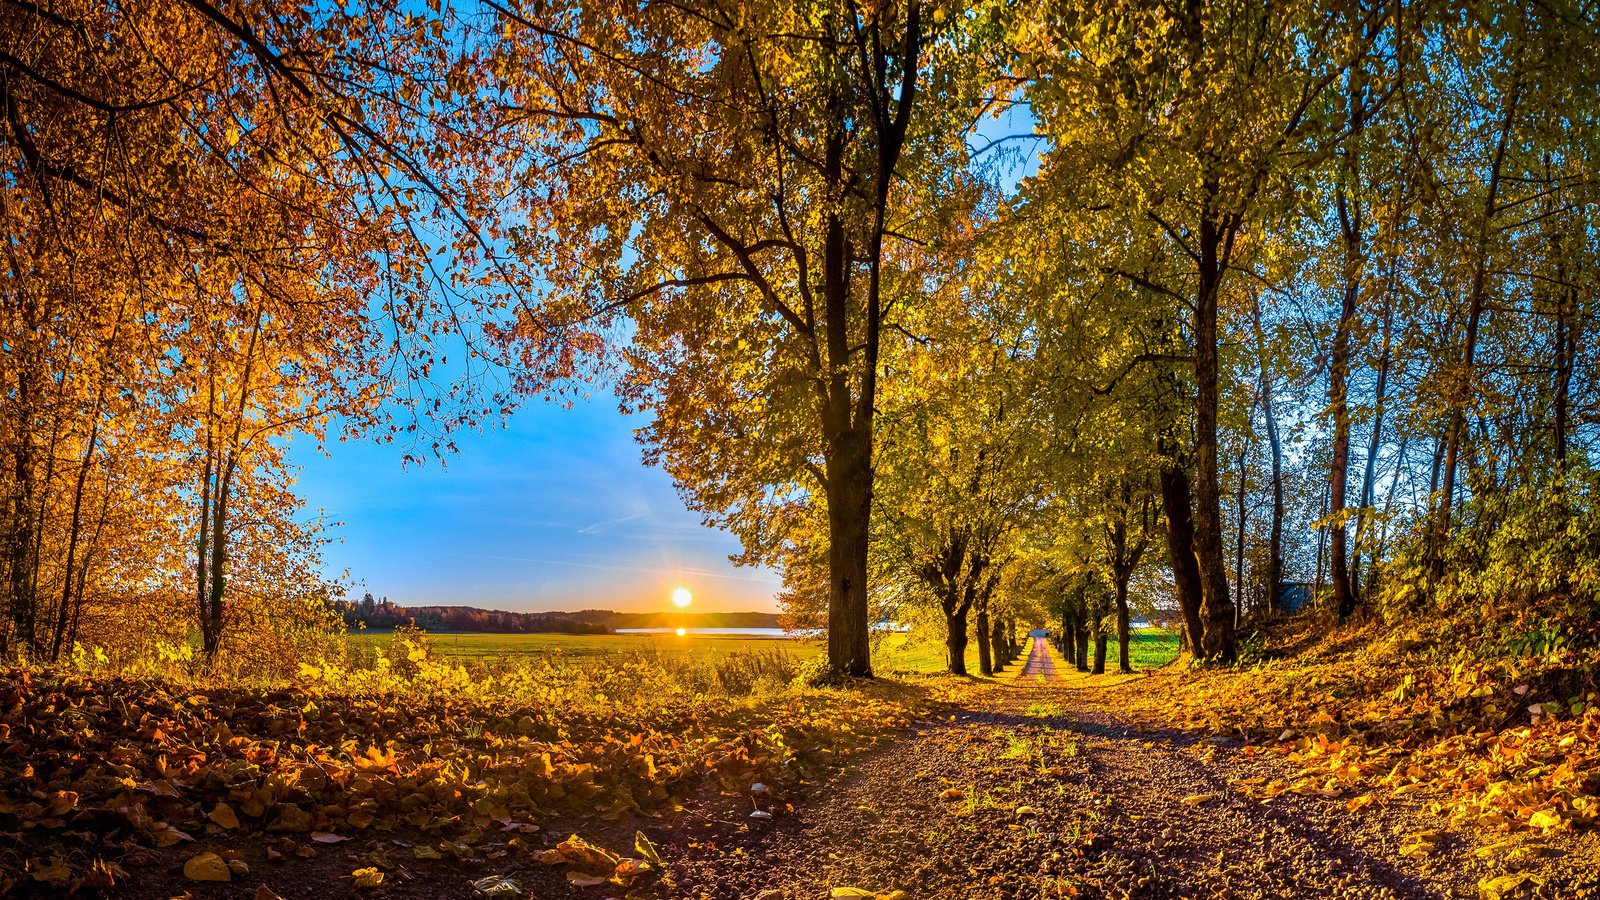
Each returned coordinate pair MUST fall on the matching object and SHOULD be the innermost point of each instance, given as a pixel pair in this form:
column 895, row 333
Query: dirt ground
column 1037, row 788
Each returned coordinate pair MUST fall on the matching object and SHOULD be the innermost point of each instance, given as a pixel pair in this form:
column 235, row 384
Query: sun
column 681, row 598
column 682, row 632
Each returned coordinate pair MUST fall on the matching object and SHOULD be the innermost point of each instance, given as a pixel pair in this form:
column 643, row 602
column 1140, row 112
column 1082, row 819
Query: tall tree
column 740, row 183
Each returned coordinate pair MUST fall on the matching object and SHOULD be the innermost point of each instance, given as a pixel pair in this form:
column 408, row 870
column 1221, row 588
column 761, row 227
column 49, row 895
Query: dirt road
column 1035, row 789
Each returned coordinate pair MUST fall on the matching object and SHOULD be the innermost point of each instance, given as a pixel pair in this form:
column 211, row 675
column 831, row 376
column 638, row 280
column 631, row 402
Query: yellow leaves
column 1198, row 799
column 1420, row 843
column 223, row 815
column 50, row 871
column 207, row 866
column 367, row 878
column 846, row 892
column 952, row 794
column 1506, row 887
column 1356, row 804
column 1546, row 820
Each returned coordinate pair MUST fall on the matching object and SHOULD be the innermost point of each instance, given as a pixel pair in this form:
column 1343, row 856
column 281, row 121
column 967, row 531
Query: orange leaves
column 375, row 760
column 435, row 763
column 1475, row 737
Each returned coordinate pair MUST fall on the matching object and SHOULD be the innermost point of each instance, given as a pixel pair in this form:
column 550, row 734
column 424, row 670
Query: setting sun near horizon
column 681, row 598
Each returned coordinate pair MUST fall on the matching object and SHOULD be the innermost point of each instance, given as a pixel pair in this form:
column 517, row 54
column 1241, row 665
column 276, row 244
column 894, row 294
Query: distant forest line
column 369, row 612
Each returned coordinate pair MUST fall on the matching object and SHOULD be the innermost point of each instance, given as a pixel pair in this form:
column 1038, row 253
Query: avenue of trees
column 979, row 315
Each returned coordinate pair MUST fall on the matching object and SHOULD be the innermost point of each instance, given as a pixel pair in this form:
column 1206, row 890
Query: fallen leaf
column 224, row 816
column 498, row 886
column 369, row 877
column 207, row 866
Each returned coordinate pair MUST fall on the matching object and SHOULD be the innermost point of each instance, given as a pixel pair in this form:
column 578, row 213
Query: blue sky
column 554, row 511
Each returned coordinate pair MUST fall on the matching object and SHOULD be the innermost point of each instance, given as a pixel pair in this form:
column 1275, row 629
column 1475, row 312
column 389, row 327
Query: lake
column 739, row 632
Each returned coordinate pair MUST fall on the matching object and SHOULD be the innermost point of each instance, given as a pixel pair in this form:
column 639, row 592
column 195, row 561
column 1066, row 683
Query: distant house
column 1294, row 595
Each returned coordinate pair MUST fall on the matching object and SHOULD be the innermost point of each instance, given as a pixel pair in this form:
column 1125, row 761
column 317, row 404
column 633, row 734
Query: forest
column 1276, row 320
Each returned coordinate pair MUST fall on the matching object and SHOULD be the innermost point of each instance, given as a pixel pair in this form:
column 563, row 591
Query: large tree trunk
column 1082, row 640
column 847, row 454
column 849, row 511
column 955, row 643
column 1099, row 652
column 1344, row 595
column 1175, row 502
column 1216, row 607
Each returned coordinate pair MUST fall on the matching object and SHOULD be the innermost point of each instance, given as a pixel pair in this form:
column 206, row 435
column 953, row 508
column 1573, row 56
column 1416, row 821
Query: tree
column 741, row 183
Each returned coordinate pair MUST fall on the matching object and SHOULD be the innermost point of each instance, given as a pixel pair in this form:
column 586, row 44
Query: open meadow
column 905, row 652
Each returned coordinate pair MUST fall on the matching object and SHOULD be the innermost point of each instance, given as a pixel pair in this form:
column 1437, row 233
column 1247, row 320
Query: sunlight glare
column 681, row 598
column 682, row 632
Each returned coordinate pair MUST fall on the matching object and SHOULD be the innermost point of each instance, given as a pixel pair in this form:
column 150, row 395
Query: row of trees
column 1272, row 266
column 1299, row 292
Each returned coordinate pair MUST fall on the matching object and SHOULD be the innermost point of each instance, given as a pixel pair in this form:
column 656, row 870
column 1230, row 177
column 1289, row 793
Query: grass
column 1152, row 647
column 899, row 652
column 480, row 647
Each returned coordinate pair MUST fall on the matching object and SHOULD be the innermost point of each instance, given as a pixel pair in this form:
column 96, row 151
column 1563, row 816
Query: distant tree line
column 371, row 612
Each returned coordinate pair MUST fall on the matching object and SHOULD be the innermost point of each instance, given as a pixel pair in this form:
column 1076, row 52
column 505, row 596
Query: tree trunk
column 1099, row 652
column 1369, row 473
column 1344, row 595
column 1175, row 502
column 20, row 536
column 74, row 529
column 1124, row 665
column 985, row 650
column 849, row 511
column 997, row 645
column 211, row 634
column 1082, row 654
column 955, row 643
column 1216, row 607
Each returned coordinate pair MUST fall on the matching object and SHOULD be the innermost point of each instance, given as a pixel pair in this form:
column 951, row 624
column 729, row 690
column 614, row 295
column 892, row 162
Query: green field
column 903, row 652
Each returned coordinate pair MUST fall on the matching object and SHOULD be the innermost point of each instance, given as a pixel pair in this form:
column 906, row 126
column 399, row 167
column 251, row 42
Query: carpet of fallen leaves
column 1502, row 746
column 99, row 772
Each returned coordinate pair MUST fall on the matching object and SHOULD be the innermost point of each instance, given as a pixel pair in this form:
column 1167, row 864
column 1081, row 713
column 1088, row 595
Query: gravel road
column 1035, row 788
